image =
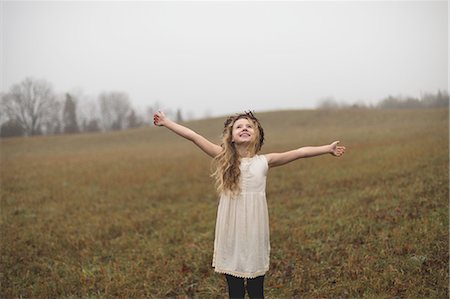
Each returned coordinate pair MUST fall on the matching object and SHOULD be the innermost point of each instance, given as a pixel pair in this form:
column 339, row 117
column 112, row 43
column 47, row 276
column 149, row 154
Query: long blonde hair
column 226, row 163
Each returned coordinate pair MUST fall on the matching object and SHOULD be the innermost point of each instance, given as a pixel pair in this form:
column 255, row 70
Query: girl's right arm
column 159, row 119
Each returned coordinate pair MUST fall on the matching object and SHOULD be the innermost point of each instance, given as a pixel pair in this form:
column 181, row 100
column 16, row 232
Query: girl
column 241, row 245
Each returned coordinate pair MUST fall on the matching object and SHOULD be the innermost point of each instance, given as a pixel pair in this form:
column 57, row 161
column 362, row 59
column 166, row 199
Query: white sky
column 225, row 57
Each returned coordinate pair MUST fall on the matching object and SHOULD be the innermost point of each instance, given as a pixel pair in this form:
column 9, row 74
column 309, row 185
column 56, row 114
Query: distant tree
column 441, row 99
column 179, row 117
column 133, row 121
column 328, row 103
column 87, row 113
column 53, row 123
column 30, row 104
column 70, row 115
column 400, row 102
column 358, row 105
column 427, row 100
column 410, row 102
column 11, row 128
column 91, row 126
column 388, row 103
column 3, row 115
column 114, row 107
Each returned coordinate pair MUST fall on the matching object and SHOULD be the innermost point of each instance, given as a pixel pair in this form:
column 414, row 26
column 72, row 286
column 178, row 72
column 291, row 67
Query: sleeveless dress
column 242, row 245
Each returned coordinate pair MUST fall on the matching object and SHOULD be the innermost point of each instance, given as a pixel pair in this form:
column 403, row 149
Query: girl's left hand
column 336, row 150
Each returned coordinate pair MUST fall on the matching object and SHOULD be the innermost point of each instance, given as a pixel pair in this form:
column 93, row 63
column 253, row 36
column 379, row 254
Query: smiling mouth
column 244, row 134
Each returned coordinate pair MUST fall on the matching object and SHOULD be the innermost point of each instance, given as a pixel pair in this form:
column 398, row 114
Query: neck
column 243, row 151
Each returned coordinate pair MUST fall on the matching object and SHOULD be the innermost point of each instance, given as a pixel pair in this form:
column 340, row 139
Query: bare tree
column 114, row 107
column 440, row 99
column 52, row 124
column 11, row 129
column 3, row 116
column 179, row 116
column 30, row 103
column 88, row 117
column 328, row 103
column 133, row 120
column 70, row 115
column 91, row 125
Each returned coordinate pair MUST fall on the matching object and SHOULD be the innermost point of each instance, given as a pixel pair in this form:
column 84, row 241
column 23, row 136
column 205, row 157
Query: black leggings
column 236, row 289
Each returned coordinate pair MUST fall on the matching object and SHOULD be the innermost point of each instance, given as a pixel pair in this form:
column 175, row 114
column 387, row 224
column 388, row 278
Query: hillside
column 132, row 213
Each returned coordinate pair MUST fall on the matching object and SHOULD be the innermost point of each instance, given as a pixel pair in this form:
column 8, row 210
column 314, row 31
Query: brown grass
column 132, row 214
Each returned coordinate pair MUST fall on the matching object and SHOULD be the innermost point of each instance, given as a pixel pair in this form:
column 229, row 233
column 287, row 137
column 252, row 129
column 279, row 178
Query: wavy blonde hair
column 226, row 163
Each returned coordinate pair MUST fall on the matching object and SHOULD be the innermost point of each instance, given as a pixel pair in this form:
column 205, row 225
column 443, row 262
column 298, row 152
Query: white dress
column 242, row 245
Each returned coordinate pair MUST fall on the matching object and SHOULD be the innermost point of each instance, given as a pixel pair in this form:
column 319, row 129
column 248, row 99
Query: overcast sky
column 225, row 57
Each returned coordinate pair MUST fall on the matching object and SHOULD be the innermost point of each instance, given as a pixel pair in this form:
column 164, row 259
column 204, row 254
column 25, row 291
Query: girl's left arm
column 278, row 159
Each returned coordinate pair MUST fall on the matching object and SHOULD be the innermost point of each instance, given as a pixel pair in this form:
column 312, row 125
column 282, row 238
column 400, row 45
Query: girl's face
column 243, row 131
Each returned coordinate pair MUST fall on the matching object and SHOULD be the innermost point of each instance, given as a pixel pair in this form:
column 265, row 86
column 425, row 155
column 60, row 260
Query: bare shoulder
column 270, row 157
column 278, row 159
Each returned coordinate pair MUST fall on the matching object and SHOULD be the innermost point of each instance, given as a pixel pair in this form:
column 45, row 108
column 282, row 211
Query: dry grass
column 132, row 214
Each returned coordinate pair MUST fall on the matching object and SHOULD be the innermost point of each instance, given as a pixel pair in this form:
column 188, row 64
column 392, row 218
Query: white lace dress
column 242, row 245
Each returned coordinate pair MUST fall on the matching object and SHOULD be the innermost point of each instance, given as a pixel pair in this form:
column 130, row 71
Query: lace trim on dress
column 241, row 274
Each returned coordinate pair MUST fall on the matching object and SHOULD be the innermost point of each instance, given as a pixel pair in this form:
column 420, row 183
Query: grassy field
column 131, row 214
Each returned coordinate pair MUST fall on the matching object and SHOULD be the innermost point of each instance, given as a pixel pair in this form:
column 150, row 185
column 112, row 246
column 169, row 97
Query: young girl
column 241, row 245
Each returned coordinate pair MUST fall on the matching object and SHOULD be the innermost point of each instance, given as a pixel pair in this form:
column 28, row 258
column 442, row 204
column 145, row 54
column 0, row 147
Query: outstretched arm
column 278, row 159
column 159, row 119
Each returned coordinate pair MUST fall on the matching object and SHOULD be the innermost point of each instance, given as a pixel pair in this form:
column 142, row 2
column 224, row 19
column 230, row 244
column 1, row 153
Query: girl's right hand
column 159, row 118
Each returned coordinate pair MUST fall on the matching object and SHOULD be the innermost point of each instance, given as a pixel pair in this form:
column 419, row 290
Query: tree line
column 440, row 99
column 31, row 107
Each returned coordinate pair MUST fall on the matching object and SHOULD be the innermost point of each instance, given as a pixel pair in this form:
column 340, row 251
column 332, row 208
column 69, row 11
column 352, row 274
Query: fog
column 225, row 57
